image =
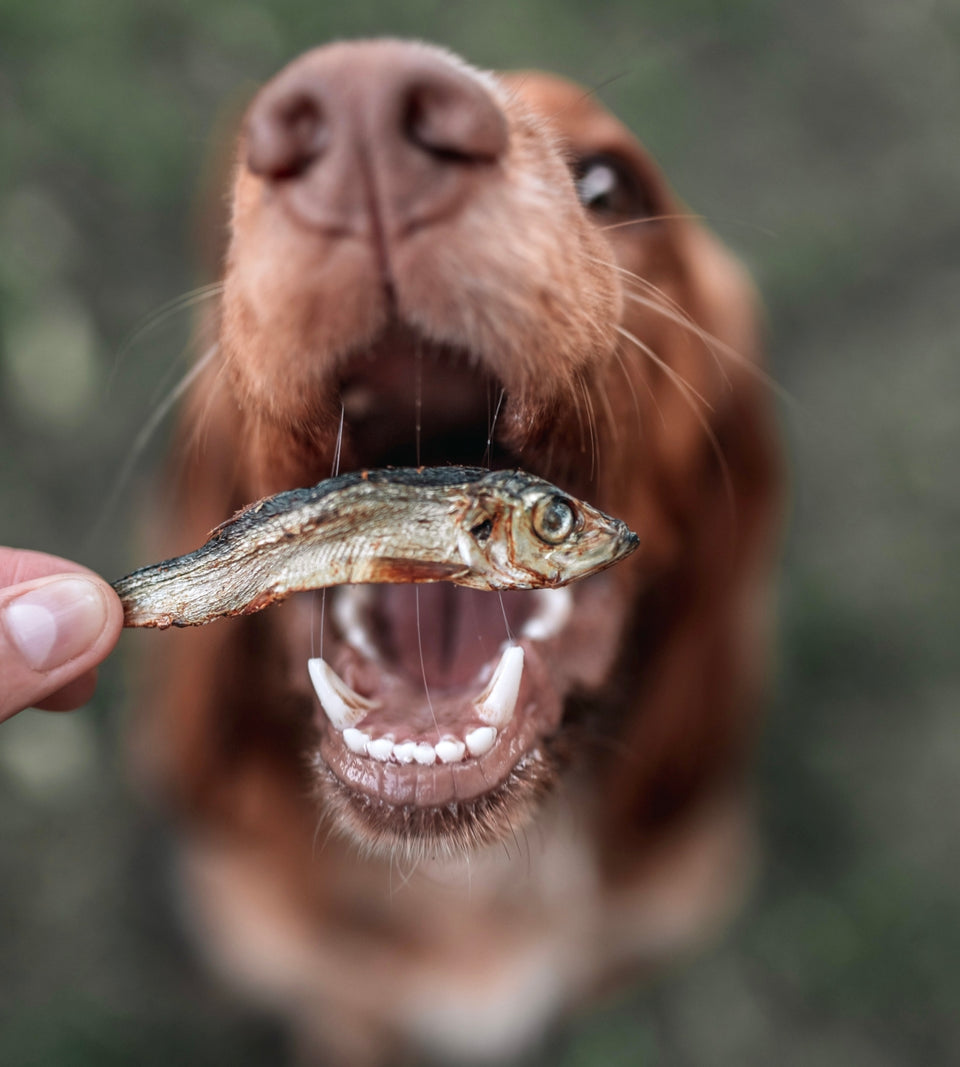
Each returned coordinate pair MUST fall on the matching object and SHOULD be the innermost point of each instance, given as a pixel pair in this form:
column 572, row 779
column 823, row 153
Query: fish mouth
column 438, row 708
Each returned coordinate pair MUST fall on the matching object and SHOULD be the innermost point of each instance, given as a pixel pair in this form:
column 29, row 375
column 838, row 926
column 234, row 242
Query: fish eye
column 554, row 519
column 482, row 531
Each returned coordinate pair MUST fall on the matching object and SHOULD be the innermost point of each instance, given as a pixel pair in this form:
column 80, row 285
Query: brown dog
column 428, row 264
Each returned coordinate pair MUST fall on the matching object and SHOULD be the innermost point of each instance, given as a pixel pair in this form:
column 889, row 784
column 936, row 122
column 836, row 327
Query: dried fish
column 474, row 527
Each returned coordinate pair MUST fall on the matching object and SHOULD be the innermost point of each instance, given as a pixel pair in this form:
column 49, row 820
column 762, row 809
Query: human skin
column 58, row 621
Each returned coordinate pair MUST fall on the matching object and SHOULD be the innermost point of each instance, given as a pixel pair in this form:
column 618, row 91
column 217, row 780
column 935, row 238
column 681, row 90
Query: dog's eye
column 554, row 519
column 607, row 187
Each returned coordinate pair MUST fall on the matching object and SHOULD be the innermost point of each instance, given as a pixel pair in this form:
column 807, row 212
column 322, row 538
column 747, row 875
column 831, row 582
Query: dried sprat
column 478, row 528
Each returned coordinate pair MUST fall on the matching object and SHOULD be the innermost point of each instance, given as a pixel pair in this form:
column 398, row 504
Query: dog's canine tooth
column 497, row 702
column 480, row 740
column 450, row 750
column 552, row 613
column 356, row 740
column 349, row 605
column 343, row 707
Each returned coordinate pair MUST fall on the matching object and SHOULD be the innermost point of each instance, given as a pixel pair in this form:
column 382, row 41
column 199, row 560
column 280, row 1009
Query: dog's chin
column 411, row 834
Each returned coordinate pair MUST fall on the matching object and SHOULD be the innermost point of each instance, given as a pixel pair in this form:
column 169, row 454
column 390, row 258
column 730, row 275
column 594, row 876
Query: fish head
column 522, row 532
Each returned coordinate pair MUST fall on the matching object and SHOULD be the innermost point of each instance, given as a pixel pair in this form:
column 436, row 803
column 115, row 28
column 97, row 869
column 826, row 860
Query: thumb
column 53, row 630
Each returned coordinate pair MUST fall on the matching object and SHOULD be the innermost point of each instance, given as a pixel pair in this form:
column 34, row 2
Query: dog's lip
column 537, row 714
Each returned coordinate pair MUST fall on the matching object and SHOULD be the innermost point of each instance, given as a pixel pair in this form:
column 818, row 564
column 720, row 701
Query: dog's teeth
column 356, row 740
column 350, row 606
column 425, row 754
column 381, row 748
column 551, row 615
column 497, row 702
column 342, row 705
column 405, row 752
column 480, row 740
column 450, row 750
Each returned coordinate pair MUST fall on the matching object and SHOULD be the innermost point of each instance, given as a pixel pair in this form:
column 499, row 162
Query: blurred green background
column 822, row 141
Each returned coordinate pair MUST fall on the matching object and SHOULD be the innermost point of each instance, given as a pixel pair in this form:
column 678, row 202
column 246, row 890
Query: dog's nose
column 375, row 133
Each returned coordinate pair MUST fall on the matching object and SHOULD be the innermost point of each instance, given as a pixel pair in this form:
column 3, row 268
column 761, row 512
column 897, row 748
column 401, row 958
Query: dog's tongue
column 442, row 634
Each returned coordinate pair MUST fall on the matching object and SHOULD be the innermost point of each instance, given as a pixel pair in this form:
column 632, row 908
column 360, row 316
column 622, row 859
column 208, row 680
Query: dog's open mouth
column 438, row 704
column 425, row 706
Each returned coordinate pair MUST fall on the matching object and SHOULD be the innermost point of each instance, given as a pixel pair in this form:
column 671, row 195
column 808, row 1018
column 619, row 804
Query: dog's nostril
column 286, row 135
column 453, row 118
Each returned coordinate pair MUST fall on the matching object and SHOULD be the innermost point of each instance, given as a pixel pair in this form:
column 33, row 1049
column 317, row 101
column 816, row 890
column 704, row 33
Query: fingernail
column 56, row 622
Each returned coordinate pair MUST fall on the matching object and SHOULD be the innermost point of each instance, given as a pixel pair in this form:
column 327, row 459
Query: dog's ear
column 700, row 625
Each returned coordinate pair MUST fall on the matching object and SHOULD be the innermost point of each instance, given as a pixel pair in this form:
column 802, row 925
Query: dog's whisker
column 580, row 426
column 181, row 303
column 528, row 851
column 591, row 416
column 666, row 306
column 145, row 435
column 338, row 449
column 682, row 384
column 506, row 621
column 406, row 877
column 513, row 834
column 689, row 394
column 488, row 453
column 628, row 378
column 613, row 427
column 314, row 851
column 334, row 471
column 423, row 666
column 714, row 345
column 196, row 440
column 323, row 616
column 644, row 220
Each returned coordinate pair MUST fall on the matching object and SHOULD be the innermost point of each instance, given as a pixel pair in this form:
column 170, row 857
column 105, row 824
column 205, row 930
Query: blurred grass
column 820, row 140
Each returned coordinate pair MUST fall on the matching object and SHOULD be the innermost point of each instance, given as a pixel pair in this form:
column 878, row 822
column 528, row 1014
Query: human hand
column 58, row 620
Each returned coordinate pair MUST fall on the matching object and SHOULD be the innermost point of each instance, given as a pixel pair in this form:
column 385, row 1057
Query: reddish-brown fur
column 631, row 841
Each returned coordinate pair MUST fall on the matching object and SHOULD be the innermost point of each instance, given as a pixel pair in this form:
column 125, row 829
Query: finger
column 73, row 695
column 20, row 565
column 53, row 630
